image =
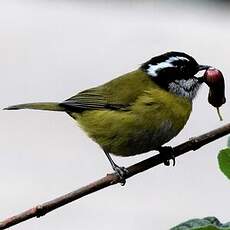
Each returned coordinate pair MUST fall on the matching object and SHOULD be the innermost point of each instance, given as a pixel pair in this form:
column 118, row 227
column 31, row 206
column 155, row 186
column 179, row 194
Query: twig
column 111, row 179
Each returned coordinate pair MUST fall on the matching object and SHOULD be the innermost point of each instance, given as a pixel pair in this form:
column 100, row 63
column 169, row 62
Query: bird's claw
column 167, row 154
column 121, row 172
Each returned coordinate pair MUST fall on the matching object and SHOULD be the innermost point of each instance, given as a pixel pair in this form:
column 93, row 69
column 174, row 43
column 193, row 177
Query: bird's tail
column 52, row 106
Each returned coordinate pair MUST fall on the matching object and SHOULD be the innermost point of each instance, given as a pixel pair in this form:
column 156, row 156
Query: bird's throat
column 185, row 88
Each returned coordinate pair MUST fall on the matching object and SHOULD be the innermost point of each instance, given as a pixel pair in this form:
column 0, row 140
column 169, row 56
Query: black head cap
column 172, row 66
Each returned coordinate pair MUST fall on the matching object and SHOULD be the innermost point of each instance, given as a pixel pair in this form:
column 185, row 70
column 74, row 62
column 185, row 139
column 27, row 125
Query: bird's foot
column 121, row 172
column 167, row 154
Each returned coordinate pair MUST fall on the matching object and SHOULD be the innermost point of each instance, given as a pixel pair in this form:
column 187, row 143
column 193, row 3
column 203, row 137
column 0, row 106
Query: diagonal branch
column 111, row 179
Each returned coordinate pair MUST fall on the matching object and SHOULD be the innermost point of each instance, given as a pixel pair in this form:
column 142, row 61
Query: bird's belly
column 127, row 133
column 143, row 139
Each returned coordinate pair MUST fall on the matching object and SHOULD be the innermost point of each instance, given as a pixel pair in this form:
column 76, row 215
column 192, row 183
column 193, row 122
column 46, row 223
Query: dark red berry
column 213, row 77
column 215, row 80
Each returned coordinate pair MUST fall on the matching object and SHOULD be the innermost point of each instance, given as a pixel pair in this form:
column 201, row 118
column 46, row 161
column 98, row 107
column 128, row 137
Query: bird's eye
column 182, row 68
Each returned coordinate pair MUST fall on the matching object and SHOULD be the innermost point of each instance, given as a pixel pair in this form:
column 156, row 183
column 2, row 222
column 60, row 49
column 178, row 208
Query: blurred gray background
column 49, row 51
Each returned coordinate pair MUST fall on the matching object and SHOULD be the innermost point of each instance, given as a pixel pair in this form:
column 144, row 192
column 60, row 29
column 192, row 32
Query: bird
column 137, row 112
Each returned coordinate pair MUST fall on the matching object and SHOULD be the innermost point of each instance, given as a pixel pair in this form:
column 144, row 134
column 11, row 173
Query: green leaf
column 224, row 161
column 229, row 142
column 207, row 223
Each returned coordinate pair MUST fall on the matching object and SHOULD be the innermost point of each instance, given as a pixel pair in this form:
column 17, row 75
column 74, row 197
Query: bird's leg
column 167, row 154
column 120, row 171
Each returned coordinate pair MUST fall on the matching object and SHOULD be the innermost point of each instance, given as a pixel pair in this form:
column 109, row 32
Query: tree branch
column 111, row 179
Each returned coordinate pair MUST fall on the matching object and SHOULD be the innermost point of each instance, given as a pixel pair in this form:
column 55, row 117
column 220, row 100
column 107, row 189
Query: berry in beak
column 215, row 80
column 200, row 68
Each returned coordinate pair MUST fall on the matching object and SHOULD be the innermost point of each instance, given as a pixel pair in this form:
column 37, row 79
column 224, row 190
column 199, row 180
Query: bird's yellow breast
column 152, row 120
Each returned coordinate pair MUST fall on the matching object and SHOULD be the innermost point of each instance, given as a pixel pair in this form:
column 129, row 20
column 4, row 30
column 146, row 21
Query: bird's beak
column 200, row 68
column 203, row 67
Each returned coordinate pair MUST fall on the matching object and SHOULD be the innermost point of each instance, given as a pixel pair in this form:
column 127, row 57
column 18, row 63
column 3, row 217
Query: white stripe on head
column 171, row 59
column 154, row 69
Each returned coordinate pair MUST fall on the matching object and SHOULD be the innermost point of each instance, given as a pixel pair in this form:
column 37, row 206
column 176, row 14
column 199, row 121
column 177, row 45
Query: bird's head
column 175, row 72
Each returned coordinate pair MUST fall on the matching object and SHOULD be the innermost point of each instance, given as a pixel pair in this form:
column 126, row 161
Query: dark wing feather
column 117, row 94
column 91, row 99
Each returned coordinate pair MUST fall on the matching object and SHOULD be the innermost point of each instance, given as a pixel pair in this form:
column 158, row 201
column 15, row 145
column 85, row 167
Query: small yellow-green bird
column 138, row 111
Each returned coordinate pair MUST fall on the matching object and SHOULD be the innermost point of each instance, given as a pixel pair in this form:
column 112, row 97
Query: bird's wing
column 91, row 99
column 117, row 94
